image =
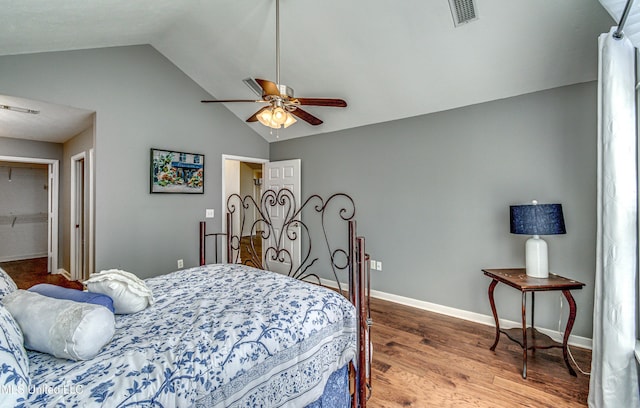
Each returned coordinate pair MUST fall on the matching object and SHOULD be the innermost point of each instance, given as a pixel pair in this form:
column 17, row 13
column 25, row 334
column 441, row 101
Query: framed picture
column 176, row 172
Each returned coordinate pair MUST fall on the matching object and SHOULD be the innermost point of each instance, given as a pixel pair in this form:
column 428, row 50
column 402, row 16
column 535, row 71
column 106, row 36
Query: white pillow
column 14, row 362
column 129, row 293
column 60, row 327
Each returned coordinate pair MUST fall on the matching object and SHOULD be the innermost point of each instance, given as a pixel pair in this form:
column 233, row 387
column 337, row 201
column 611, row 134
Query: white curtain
column 614, row 378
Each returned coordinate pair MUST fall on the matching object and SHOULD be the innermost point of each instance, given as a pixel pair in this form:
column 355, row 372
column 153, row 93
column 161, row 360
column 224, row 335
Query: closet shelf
column 23, row 219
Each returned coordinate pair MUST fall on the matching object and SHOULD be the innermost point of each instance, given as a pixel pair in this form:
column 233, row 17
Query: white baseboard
column 577, row 341
column 64, row 273
column 22, row 257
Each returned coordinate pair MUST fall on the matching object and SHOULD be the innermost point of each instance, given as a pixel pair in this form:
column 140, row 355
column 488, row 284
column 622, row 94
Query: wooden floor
column 29, row 272
column 424, row 359
column 251, row 245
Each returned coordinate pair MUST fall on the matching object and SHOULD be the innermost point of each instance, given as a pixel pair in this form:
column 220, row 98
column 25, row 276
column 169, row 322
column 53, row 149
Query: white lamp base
column 536, row 258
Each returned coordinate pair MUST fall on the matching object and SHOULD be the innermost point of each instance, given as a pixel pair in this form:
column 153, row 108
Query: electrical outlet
column 379, row 265
column 209, row 213
column 180, row 263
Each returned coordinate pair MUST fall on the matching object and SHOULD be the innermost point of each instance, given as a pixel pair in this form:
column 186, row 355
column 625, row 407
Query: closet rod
column 618, row 34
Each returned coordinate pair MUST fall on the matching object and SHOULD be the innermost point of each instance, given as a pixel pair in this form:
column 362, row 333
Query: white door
column 78, row 208
column 279, row 175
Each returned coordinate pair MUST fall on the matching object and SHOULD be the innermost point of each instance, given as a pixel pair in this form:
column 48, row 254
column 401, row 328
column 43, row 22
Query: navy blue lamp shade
column 537, row 219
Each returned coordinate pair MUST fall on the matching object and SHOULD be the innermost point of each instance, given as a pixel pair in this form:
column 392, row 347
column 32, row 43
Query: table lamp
column 537, row 219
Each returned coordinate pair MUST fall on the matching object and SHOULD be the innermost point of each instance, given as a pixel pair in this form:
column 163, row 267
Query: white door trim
column 54, row 182
column 73, row 262
column 90, row 238
column 52, row 227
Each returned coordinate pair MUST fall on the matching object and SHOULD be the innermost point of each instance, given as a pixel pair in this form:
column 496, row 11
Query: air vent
column 255, row 87
column 463, row 11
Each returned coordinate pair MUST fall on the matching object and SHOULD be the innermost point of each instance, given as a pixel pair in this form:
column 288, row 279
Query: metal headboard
column 261, row 233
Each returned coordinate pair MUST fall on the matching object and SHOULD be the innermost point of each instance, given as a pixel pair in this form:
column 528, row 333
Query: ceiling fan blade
column 306, row 116
column 232, row 100
column 255, row 87
column 268, row 87
column 254, row 117
column 336, row 103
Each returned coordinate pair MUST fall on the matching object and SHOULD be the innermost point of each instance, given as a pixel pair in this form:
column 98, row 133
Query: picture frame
column 176, row 172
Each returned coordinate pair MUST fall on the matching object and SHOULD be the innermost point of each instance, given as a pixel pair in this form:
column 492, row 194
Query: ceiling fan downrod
column 278, row 43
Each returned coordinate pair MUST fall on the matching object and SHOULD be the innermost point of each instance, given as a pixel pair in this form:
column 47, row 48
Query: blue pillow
column 76, row 295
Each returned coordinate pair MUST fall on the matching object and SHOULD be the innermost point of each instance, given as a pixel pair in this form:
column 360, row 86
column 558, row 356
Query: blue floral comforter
column 217, row 336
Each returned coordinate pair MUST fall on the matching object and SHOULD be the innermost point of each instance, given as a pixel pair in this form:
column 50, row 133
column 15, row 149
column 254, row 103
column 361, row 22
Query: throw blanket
column 134, row 284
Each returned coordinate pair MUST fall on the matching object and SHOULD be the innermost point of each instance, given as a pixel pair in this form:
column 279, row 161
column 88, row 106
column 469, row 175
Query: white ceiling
column 631, row 28
column 387, row 59
column 54, row 123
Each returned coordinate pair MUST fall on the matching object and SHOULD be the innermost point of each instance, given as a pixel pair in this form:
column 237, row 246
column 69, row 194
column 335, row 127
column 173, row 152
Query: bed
column 228, row 335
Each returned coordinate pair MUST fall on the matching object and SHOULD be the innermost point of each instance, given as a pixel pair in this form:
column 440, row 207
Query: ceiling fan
column 281, row 106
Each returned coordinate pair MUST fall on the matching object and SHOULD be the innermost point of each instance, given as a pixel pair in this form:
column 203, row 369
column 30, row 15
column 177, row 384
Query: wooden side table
column 530, row 338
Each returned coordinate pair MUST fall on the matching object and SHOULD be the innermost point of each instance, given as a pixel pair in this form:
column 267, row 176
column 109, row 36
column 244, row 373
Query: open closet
column 23, row 211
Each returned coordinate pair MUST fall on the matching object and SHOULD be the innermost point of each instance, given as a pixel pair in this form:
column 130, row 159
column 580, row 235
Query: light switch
column 209, row 213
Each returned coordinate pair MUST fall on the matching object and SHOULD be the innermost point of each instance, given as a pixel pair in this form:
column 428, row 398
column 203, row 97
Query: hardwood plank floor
column 29, row 272
column 424, row 359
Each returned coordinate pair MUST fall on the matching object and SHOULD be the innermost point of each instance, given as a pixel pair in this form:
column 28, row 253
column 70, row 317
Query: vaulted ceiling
column 387, row 59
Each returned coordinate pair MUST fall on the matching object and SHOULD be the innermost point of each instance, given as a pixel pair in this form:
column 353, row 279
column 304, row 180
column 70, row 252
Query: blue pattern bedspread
column 217, row 336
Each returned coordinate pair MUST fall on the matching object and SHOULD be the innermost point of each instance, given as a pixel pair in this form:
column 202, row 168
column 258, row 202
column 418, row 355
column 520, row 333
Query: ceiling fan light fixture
column 266, row 118
column 290, row 120
column 279, row 116
column 276, row 118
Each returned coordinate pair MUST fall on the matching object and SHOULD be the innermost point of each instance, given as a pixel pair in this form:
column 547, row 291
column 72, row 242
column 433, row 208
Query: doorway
column 275, row 176
column 50, row 217
column 237, row 178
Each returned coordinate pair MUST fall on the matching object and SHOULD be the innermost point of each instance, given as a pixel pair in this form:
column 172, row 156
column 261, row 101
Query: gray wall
column 141, row 101
column 29, row 148
column 433, row 195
